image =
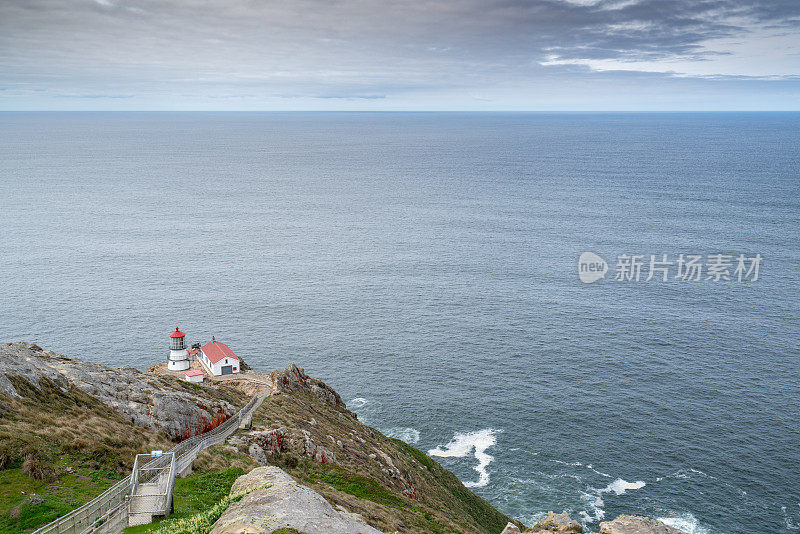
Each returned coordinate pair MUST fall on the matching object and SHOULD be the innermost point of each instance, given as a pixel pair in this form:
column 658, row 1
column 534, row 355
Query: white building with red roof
column 195, row 375
column 219, row 359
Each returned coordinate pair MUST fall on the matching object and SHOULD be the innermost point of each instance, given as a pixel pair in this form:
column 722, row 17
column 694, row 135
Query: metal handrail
column 83, row 518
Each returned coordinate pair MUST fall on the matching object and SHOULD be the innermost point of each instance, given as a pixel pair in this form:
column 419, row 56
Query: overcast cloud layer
column 403, row 54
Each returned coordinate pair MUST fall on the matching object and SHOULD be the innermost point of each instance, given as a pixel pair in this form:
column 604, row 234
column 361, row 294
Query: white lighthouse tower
column 178, row 356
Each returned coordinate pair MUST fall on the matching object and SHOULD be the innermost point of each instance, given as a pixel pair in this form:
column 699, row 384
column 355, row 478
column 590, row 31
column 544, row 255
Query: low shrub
column 37, row 469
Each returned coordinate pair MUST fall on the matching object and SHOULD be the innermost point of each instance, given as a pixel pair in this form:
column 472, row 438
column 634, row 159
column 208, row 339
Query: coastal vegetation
column 70, row 429
column 58, row 449
column 62, row 443
column 390, row 483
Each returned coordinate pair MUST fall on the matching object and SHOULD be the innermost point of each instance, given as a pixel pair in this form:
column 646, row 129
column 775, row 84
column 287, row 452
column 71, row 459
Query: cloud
column 354, row 50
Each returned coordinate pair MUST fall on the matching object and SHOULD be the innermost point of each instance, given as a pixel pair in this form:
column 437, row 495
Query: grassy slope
column 49, row 430
column 435, row 501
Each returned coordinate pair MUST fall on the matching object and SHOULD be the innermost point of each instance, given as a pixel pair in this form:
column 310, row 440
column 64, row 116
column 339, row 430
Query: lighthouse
column 178, row 356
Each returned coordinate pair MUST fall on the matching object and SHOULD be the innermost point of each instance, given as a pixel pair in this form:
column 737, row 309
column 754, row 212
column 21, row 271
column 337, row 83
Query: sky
column 543, row 55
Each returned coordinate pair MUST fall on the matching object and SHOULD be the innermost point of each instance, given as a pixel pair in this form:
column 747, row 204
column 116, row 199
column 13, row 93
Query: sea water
column 425, row 265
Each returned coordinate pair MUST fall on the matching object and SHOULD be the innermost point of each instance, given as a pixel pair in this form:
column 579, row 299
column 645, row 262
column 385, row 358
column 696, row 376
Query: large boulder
column 276, row 501
column 557, row 523
column 634, row 524
column 147, row 400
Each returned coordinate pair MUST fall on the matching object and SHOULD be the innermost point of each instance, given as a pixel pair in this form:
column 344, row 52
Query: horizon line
column 399, row 111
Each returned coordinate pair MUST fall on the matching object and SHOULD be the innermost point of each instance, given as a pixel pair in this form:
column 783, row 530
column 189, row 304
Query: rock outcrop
column 634, row 524
column 277, row 502
column 159, row 403
column 294, row 378
column 624, row 524
column 557, row 523
column 511, row 528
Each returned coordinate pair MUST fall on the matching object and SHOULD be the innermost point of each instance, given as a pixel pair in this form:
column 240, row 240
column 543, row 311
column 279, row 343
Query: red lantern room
column 177, row 341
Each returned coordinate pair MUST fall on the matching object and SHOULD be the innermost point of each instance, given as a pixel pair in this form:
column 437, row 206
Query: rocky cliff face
column 625, row 524
column 164, row 404
column 294, row 378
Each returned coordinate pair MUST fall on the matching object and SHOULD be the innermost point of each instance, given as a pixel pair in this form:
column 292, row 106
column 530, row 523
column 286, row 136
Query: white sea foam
column 595, row 503
column 594, row 498
column 573, row 464
column 358, row 402
column 407, row 434
column 685, row 522
column 463, row 445
column 620, row 486
column 589, row 467
column 787, row 520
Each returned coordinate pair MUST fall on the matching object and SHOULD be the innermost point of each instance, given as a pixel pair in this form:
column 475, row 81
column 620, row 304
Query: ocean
column 426, row 266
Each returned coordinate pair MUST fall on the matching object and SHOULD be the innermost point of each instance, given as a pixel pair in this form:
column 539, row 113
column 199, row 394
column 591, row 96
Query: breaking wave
column 407, row 434
column 358, row 402
column 685, row 522
column 594, row 498
column 620, row 486
column 366, row 409
column 462, row 445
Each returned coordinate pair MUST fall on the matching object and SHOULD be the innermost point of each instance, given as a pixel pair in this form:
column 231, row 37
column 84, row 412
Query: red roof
column 177, row 333
column 194, row 372
column 215, row 351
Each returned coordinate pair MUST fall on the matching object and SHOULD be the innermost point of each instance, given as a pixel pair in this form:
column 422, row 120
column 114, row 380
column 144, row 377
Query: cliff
column 161, row 403
column 69, row 429
column 305, row 429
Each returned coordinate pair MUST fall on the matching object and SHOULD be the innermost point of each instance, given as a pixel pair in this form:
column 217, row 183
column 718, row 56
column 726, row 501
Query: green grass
column 47, row 430
column 201, row 522
column 70, row 491
column 418, row 455
column 194, row 494
column 481, row 511
column 341, row 479
column 359, row 486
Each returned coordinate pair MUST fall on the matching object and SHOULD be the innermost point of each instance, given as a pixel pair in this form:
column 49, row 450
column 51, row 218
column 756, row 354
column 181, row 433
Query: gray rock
column 511, row 528
column 634, row 524
column 278, row 501
column 257, row 454
column 558, row 523
column 28, row 361
column 316, row 452
column 273, row 441
column 145, row 399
